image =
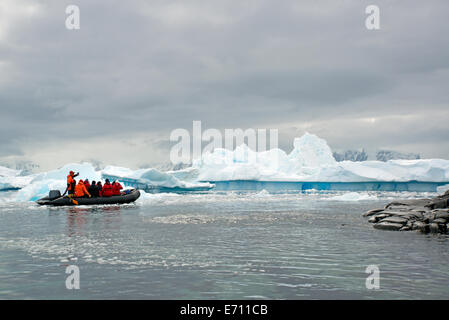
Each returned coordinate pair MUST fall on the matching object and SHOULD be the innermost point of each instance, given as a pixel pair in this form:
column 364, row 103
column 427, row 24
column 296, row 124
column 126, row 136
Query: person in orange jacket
column 80, row 190
column 71, row 183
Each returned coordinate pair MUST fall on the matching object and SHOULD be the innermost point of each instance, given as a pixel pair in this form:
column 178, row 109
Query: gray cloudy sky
column 136, row 70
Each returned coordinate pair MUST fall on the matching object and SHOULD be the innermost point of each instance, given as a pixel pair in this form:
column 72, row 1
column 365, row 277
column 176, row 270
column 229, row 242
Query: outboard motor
column 53, row 194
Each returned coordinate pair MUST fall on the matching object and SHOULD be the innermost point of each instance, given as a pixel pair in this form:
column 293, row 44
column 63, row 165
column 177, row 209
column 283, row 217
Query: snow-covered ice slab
column 311, row 160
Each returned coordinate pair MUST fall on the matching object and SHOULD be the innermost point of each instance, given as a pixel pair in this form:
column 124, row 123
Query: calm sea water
column 217, row 246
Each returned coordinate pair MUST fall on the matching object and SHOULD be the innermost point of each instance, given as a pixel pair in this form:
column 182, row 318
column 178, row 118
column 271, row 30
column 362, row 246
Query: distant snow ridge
column 386, row 155
column 351, row 155
column 381, row 155
column 25, row 166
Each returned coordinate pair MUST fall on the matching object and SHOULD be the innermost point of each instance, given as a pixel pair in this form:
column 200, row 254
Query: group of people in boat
column 95, row 189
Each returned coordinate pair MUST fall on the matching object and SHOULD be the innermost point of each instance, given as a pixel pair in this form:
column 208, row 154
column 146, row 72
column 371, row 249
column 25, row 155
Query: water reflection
column 78, row 218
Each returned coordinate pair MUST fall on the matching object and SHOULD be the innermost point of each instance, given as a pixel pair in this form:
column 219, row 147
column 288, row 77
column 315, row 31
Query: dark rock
column 429, row 216
column 442, row 215
column 405, row 214
column 439, row 203
column 434, row 228
column 417, row 214
column 373, row 219
column 418, row 225
column 425, row 215
column 395, row 204
column 409, row 223
column 410, row 203
column 372, row 212
column 439, row 221
column 381, row 216
column 388, row 226
column 394, row 220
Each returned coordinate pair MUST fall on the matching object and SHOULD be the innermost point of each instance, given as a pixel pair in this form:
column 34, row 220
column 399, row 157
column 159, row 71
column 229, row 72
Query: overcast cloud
column 136, row 70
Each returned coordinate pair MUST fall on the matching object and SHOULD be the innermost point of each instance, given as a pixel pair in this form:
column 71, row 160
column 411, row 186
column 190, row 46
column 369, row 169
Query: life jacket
column 107, row 190
column 70, row 182
column 87, row 185
column 80, row 189
column 116, row 187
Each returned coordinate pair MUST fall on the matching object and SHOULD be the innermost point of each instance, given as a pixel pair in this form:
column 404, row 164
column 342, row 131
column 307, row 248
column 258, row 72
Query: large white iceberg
column 310, row 160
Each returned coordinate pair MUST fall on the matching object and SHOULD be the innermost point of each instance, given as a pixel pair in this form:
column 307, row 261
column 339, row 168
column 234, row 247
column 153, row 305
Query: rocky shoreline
column 424, row 215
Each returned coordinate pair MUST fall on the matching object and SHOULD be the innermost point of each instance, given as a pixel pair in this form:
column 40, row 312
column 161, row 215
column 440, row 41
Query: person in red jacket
column 116, row 187
column 86, row 183
column 107, row 189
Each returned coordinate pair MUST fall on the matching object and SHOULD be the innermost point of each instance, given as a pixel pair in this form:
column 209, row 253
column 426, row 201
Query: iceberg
column 37, row 186
column 39, row 189
column 311, row 160
column 11, row 179
column 152, row 177
column 40, row 184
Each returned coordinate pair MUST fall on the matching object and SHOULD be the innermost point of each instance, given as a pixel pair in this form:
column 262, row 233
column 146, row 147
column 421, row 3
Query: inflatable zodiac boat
column 55, row 199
